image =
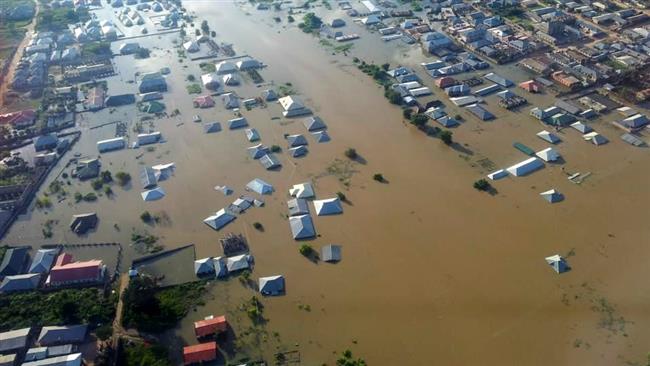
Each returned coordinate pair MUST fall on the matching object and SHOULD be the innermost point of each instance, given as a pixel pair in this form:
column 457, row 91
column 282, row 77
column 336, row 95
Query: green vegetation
column 275, row 149
column 106, row 176
column 149, row 308
column 122, row 178
column 78, row 197
column 145, row 243
column 70, row 306
column 306, row 250
column 144, row 354
column 194, row 88
column 57, row 19
column 351, row 153
column 207, row 67
column 341, row 196
column 191, row 78
column 482, row 185
column 104, row 332
column 205, row 27
column 43, row 202
column 310, row 23
column 407, row 113
column 290, row 19
column 97, row 184
column 90, row 197
column 108, row 191
column 254, row 309
column 146, row 217
column 446, row 137
column 379, row 177
column 96, row 49
column 258, row 226
column 347, row 360
column 419, row 120
column 458, row 117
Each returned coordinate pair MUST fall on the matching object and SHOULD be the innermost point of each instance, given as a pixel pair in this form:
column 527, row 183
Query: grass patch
column 149, row 308
column 70, row 306
column 194, row 88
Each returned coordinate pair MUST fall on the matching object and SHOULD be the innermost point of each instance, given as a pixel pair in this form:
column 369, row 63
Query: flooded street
column 433, row 270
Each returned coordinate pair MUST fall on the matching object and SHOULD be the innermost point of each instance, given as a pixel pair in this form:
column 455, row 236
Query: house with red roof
column 19, row 119
column 445, row 82
column 67, row 272
column 530, row 86
column 203, row 352
column 204, row 101
column 210, row 326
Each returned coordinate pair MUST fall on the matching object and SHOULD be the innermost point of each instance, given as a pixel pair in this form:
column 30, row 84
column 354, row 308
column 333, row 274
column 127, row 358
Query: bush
column 446, row 137
column 146, row 217
column 341, row 196
column 90, row 197
column 258, row 226
column 385, row 67
column 458, row 117
column 290, row 19
column 419, row 120
column 393, row 96
column 43, row 202
column 191, row 78
column 137, row 353
column 106, row 176
column 306, row 250
column 104, row 332
column 378, row 177
column 108, row 191
column 482, row 185
column 276, row 149
column 122, row 178
column 78, row 197
column 407, row 113
column 193, row 89
column 310, row 23
column 351, row 153
column 97, row 184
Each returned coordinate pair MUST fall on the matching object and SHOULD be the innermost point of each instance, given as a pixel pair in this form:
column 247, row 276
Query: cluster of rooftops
column 52, row 346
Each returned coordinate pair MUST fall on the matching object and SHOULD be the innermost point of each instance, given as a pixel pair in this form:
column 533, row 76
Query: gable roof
column 298, row 151
column 14, row 339
column 81, row 223
column 321, row 136
column 296, row 140
column 20, row 282
column 331, row 253
column 257, row 151
column 13, row 261
column 269, row 161
column 237, row 123
column 211, row 127
column 238, row 262
column 298, row 206
column 62, row 334
column 552, row 196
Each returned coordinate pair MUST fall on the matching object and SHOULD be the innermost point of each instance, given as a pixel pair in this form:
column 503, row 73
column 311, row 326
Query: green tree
column 419, row 119
column 446, row 137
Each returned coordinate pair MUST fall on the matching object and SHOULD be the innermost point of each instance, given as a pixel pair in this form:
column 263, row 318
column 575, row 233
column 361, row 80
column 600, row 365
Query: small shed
column 331, row 253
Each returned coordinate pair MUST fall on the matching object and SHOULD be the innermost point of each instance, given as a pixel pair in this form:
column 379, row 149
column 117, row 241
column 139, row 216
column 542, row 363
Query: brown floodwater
column 432, row 270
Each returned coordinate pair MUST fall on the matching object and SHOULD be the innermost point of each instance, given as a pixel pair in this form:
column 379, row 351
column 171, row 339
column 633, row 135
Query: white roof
column 302, row 190
column 595, row 138
column 548, row 136
column 501, row 173
column 548, row 154
column 552, row 196
column 225, row 67
column 525, row 167
column 238, row 262
column 67, row 360
column 259, row 186
column 153, row 194
column 328, row 206
column 302, row 227
column 191, row 46
column 291, row 102
column 220, row 219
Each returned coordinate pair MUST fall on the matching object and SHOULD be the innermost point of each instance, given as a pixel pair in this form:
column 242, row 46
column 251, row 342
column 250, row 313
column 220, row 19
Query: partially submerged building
column 220, row 219
column 56, row 335
column 331, row 253
column 259, row 186
column 293, row 106
column 329, row 206
column 66, row 272
column 82, row 223
column 272, row 285
column 302, row 227
column 525, row 167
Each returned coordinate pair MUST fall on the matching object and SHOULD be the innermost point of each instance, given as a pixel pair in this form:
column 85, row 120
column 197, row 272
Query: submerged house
column 152, row 82
column 220, row 219
column 259, row 186
column 82, row 223
column 552, row 196
column 558, row 263
column 525, row 167
column 331, row 253
column 302, row 227
column 293, row 106
column 272, row 285
column 329, row 206
column 67, row 272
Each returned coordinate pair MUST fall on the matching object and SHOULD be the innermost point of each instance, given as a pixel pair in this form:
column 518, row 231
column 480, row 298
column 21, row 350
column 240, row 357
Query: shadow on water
column 461, row 149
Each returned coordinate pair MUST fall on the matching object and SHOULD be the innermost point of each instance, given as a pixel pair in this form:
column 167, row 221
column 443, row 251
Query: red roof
column 204, row 101
column 65, row 270
column 26, row 117
column 530, row 86
column 445, row 81
column 208, row 327
column 200, row 353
